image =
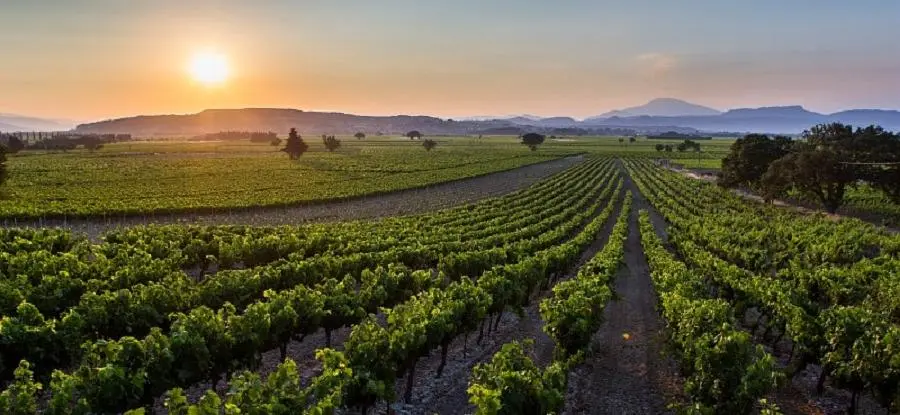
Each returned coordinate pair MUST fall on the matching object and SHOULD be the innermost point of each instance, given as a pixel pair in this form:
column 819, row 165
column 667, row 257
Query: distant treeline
column 253, row 136
column 564, row 131
column 35, row 136
column 17, row 141
column 674, row 135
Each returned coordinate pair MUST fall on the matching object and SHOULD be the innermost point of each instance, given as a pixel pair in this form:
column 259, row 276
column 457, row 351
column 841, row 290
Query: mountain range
column 673, row 112
column 661, row 107
column 13, row 122
column 658, row 115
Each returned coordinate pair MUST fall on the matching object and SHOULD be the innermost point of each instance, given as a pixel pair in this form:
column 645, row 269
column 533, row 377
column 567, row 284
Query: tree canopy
column 688, row 145
column 331, row 142
column 295, row 146
column 429, row 144
column 749, row 159
column 816, row 172
column 13, row 144
column 828, row 159
column 360, row 135
column 532, row 140
column 414, row 134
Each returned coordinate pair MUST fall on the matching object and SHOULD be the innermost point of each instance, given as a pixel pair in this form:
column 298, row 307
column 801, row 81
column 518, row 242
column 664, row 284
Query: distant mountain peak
column 16, row 122
column 666, row 100
column 662, row 107
column 776, row 111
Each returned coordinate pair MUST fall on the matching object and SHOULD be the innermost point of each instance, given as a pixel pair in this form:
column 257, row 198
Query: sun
column 209, row 68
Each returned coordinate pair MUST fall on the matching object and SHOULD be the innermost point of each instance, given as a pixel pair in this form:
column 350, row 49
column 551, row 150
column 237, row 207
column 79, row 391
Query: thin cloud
column 656, row 64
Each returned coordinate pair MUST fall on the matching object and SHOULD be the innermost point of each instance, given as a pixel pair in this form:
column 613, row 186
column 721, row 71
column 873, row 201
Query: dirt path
column 402, row 202
column 627, row 376
column 447, row 395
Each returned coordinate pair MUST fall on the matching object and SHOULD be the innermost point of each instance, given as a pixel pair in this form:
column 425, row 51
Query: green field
column 174, row 175
column 168, row 176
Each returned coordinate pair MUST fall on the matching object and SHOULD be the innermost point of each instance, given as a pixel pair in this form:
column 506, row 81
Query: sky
column 96, row 59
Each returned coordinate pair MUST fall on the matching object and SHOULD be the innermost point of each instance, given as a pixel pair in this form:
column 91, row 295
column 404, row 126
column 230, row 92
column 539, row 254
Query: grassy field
column 175, row 175
column 167, row 176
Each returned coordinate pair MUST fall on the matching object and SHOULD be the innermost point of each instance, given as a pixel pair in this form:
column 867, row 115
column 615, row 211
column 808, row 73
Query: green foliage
column 295, row 146
column 749, row 159
column 820, row 173
column 429, row 144
column 19, row 398
column 687, row 145
column 13, row 144
column 574, row 312
column 532, row 140
column 825, row 285
column 162, row 178
column 512, row 384
column 330, row 142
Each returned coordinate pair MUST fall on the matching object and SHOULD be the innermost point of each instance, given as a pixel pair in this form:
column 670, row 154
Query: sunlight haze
column 92, row 59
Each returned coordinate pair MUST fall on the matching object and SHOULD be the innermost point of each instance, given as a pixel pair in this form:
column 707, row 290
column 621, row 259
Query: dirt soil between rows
column 626, row 370
column 447, row 395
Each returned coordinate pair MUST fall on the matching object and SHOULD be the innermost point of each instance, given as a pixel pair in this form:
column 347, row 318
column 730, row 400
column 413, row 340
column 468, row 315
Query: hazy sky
column 90, row 59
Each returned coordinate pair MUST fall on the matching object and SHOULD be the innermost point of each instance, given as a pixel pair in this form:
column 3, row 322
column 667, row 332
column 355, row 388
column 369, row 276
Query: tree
column 878, row 151
column 14, row 144
column 414, row 135
column 887, row 179
column 275, row 142
column 631, row 139
column 621, row 140
column 360, row 135
column 816, row 172
column 429, row 144
column 532, row 140
column 331, row 143
column 91, row 143
column 295, row 146
column 776, row 180
column 668, row 148
column 660, row 147
column 749, row 158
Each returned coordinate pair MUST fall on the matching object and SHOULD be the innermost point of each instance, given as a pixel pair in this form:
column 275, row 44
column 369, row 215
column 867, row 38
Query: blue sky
column 93, row 59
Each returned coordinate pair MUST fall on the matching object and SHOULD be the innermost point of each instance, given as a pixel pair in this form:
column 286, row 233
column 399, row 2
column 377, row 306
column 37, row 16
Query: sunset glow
column 476, row 58
column 209, row 68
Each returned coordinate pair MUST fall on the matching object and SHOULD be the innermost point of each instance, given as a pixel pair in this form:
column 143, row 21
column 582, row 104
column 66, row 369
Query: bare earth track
column 447, row 395
column 403, row 202
column 619, row 375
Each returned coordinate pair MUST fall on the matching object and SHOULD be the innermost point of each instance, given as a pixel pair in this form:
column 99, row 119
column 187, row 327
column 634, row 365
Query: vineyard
column 158, row 178
column 612, row 286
